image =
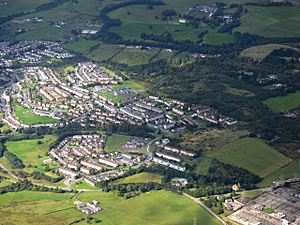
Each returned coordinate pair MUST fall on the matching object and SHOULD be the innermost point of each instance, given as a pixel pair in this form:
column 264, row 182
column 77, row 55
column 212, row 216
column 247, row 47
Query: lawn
column 30, row 152
column 144, row 177
column 28, row 117
column 111, row 96
column 261, row 51
column 289, row 171
column 253, row 155
column 129, row 84
column 156, row 207
column 84, row 185
column 284, row 103
column 271, row 21
column 115, row 142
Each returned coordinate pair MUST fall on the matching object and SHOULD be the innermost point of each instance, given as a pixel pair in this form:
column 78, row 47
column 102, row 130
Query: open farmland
column 28, row 117
column 144, row 177
column 284, row 103
column 253, row 155
column 271, row 21
column 261, row 51
column 157, row 207
column 30, row 152
column 214, row 38
column 82, row 46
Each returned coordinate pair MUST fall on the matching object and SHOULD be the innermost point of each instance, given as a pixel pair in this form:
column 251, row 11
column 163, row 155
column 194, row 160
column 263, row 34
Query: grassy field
column 157, row 207
column 284, row 103
column 81, row 46
column 261, row 51
column 84, row 185
column 17, row 6
column 111, row 96
column 214, row 38
column 144, row 177
column 28, row 117
column 21, row 208
column 289, row 171
column 75, row 16
column 115, row 142
column 129, row 84
column 30, row 152
column 271, row 21
column 253, row 155
column 104, row 52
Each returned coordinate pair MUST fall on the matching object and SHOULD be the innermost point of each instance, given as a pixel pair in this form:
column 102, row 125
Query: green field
column 84, row 185
column 214, row 38
column 104, row 52
column 115, row 142
column 253, row 155
column 129, row 84
column 289, row 171
column 157, row 207
column 271, row 21
column 30, row 152
column 261, row 51
column 76, row 17
column 284, row 103
column 37, row 208
column 28, row 117
column 144, row 177
column 111, row 96
column 82, row 46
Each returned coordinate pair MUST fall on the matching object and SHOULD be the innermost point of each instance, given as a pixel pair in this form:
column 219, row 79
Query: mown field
column 28, row 117
column 271, row 21
column 144, row 177
column 157, row 207
column 284, row 103
column 30, row 152
column 253, row 155
column 261, row 51
column 115, row 142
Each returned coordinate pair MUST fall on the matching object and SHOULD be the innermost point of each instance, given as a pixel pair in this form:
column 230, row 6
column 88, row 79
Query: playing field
column 30, row 152
column 253, row 155
column 28, row 117
column 144, row 177
column 261, row 51
column 271, row 21
column 157, row 207
column 284, row 103
column 115, row 142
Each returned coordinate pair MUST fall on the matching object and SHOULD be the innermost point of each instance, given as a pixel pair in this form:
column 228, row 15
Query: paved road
column 198, row 201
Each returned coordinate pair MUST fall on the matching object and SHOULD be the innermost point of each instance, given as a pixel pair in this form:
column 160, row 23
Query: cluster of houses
column 88, row 208
column 170, row 156
column 30, row 52
column 84, row 156
column 78, row 96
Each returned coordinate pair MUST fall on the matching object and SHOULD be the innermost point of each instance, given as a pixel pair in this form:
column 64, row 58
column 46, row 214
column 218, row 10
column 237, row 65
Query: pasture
column 271, row 21
column 261, row 51
column 30, row 152
column 289, row 171
column 253, row 155
column 284, row 103
column 115, row 142
column 156, row 207
column 81, row 46
column 28, row 117
column 214, row 38
column 144, row 177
